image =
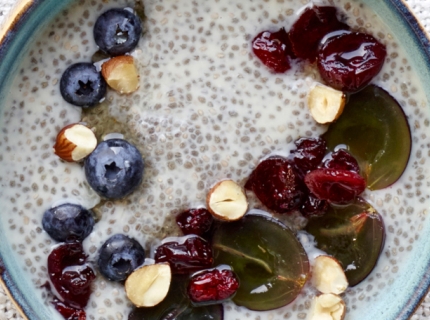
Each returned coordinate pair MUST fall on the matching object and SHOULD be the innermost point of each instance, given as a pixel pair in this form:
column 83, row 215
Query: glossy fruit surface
column 119, row 256
column 312, row 206
column 277, row 184
column 178, row 306
column 194, row 221
column 70, row 274
column 269, row 261
column 117, row 31
column 68, row 312
column 212, row 286
column 82, row 85
column 185, row 254
column 308, row 154
column 274, row 50
column 353, row 234
column 335, row 186
column 376, row 132
column 311, row 27
column 68, row 222
column 114, row 169
column 341, row 160
column 349, row 61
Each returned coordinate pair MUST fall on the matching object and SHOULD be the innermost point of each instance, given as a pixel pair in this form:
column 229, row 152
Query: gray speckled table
column 422, row 10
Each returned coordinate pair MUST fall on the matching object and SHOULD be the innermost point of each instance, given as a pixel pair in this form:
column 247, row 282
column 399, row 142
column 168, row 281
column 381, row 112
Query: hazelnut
column 328, row 307
column 328, row 275
column 325, row 103
column 74, row 142
column 147, row 286
column 227, row 201
column 121, row 74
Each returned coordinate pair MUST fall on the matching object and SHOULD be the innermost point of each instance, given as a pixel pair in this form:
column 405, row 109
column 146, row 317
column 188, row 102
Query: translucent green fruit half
column 353, row 234
column 270, row 262
column 374, row 128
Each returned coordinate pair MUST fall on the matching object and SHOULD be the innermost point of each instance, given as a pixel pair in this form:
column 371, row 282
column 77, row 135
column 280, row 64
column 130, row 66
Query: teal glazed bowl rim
column 406, row 293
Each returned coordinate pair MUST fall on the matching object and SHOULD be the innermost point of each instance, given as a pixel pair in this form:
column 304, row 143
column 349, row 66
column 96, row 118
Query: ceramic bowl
column 29, row 16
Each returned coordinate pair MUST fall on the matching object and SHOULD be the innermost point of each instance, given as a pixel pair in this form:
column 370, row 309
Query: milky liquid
column 206, row 110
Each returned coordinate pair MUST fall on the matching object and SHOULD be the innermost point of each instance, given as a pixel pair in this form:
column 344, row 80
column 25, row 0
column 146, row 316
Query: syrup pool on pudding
column 207, row 109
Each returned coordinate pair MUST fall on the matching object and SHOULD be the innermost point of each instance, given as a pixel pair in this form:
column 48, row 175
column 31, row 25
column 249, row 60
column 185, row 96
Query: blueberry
column 114, row 169
column 68, row 222
column 82, row 85
column 119, row 256
column 117, row 31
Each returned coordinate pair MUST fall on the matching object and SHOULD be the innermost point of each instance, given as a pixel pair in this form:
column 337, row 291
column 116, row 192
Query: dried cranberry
column 309, row 153
column 212, row 286
column 70, row 274
column 277, row 185
column 77, row 279
column 69, row 313
column 349, row 61
column 273, row 49
column 186, row 255
column 313, row 206
column 335, row 186
column 342, row 160
column 194, row 221
column 311, row 27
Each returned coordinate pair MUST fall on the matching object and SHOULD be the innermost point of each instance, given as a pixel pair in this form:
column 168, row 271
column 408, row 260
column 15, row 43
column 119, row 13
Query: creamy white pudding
column 206, row 110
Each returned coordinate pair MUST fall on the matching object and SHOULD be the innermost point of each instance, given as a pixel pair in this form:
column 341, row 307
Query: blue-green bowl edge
column 20, row 33
column 32, row 20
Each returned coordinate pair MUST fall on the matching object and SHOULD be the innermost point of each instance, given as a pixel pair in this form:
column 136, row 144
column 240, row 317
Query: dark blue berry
column 82, row 85
column 119, row 256
column 114, row 169
column 68, row 222
column 117, row 31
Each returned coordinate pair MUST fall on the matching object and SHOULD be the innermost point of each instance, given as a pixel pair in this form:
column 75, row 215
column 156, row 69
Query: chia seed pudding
column 207, row 109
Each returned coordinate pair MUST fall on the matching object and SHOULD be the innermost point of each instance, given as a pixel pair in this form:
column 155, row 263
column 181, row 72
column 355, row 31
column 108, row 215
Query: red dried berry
column 313, row 206
column 70, row 274
column 77, row 279
column 308, row 154
column 186, row 255
column 349, row 61
column 68, row 312
column 335, row 186
column 311, row 27
column 273, row 49
column 212, row 286
column 342, row 160
column 277, row 184
column 195, row 221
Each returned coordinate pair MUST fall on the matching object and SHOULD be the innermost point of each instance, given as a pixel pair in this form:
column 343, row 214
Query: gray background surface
column 421, row 8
